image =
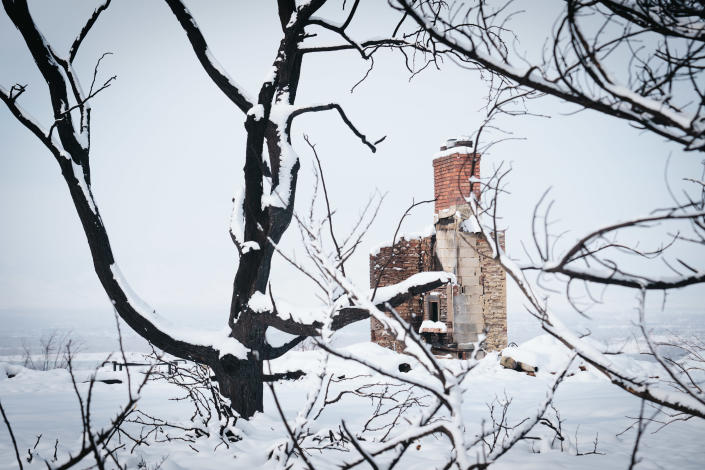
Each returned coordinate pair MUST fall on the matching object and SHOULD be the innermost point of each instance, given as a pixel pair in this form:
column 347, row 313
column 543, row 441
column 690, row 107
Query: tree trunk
column 242, row 382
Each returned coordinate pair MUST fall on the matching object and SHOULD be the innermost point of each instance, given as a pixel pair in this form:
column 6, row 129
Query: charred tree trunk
column 242, row 382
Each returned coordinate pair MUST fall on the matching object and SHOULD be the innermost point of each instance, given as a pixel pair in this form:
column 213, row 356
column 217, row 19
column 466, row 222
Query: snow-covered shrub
column 53, row 352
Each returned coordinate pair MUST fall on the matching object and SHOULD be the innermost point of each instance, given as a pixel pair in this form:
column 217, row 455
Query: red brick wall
column 451, row 176
column 408, row 257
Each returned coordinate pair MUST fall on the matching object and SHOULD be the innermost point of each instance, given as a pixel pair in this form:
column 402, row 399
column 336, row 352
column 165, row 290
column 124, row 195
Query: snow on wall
column 408, row 236
column 433, row 327
column 410, row 258
column 461, row 150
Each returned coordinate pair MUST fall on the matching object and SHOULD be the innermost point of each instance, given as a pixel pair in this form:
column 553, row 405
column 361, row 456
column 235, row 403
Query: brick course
column 406, row 258
column 451, row 176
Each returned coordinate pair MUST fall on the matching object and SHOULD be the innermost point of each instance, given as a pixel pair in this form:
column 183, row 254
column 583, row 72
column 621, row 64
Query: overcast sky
column 168, row 149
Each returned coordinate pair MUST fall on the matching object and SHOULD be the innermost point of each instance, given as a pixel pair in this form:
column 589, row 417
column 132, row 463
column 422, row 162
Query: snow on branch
column 54, row 75
column 189, row 343
column 310, row 321
column 10, row 99
column 590, row 250
column 686, row 21
column 416, row 284
column 575, row 69
column 86, row 28
column 72, row 155
column 200, row 47
column 439, row 381
column 682, row 400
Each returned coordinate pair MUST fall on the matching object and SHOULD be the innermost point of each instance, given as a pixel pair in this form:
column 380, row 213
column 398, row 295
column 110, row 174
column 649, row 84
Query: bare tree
column 641, row 61
column 262, row 211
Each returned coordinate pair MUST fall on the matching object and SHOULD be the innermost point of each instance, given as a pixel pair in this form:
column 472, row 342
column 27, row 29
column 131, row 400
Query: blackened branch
column 65, row 114
column 583, row 249
column 343, row 116
column 86, row 28
column 371, row 44
column 341, row 31
column 347, row 315
column 9, row 99
column 12, row 435
column 95, row 72
column 288, row 375
column 16, row 90
column 353, row 9
column 285, row 9
column 646, row 102
column 200, row 47
column 294, row 440
column 272, row 353
column 365, row 455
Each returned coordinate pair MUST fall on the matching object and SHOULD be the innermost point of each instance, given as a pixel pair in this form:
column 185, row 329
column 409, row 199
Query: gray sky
column 168, row 148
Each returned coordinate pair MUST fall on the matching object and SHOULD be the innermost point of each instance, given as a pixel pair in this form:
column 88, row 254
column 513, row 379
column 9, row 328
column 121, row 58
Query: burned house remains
column 452, row 317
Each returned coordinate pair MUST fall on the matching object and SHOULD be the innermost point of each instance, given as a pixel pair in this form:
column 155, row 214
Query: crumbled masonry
column 453, row 317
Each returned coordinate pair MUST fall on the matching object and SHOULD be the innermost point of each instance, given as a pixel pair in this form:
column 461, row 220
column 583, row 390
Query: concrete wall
column 455, row 251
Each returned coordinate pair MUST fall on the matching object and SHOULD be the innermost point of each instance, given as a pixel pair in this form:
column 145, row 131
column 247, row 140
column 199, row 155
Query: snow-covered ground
column 591, row 409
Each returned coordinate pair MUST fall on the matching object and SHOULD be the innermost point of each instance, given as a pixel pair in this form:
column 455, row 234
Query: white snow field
column 590, row 407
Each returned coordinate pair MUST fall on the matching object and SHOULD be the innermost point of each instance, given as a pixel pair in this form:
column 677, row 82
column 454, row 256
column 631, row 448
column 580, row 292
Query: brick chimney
column 452, row 169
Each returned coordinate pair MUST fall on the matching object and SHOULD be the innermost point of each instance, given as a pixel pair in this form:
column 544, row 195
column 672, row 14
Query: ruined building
column 449, row 318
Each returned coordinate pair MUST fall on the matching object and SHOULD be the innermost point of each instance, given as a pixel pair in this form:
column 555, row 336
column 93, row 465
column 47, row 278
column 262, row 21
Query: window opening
column 434, row 311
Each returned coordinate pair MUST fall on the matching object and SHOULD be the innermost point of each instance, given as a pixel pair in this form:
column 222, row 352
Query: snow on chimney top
column 461, row 141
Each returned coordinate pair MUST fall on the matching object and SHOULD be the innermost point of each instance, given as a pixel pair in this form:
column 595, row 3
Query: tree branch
column 12, row 435
column 288, row 375
column 86, row 28
column 72, row 157
column 30, row 124
column 373, row 43
column 269, row 352
column 285, row 8
column 394, row 295
column 653, row 113
column 580, row 250
column 343, row 116
column 341, row 262
column 217, row 74
column 52, row 72
column 394, row 241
